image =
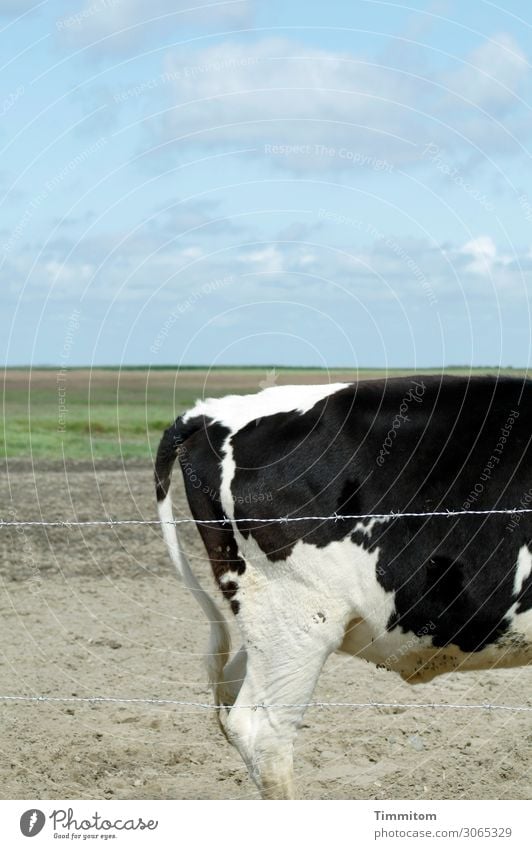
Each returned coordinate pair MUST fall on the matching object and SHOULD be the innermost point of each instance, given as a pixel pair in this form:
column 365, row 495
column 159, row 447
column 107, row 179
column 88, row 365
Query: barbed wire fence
column 265, row 706
column 110, row 522
column 335, row 517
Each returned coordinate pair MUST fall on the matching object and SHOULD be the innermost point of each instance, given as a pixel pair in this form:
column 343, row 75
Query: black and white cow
column 420, row 595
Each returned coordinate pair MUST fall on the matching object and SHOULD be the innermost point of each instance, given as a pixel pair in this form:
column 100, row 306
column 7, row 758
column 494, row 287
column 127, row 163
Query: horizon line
column 230, row 367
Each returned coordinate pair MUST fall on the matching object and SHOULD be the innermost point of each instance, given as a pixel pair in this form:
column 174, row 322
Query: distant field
column 119, row 414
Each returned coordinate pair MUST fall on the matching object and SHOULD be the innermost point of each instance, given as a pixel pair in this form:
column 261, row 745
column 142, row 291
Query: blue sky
column 304, row 183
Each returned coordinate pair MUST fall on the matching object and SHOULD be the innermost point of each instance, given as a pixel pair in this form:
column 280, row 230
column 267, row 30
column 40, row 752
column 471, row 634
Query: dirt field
column 98, row 612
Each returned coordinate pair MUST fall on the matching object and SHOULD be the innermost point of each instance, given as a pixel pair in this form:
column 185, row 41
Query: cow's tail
column 220, row 640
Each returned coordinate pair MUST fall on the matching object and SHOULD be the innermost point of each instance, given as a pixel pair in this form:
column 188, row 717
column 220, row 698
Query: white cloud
column 482, row 253
column 311, row 109
column 415, row 272
column 492, row 75
column 265, row 260
column 112, row 26
column 278, row 95
column 66, row 275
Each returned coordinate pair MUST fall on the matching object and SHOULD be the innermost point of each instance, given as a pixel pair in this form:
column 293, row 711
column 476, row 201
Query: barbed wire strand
column 447, row 514
column 316, row 704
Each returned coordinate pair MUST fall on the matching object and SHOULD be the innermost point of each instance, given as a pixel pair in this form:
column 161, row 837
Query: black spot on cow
column 458, row 597
column 229, row 589
column 350, row 502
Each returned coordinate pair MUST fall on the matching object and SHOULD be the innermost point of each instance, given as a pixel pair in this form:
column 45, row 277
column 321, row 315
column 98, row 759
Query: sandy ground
column 98, row 612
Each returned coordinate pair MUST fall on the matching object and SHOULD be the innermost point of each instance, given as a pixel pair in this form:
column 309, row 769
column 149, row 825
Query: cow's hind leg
column 282, row 670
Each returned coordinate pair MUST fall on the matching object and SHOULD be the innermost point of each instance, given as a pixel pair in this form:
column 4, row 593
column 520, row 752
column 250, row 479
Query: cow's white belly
column 338, row 585
column 417, row 661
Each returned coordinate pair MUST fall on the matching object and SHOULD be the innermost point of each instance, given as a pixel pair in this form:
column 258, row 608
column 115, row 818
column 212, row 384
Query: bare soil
column 97, row 611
